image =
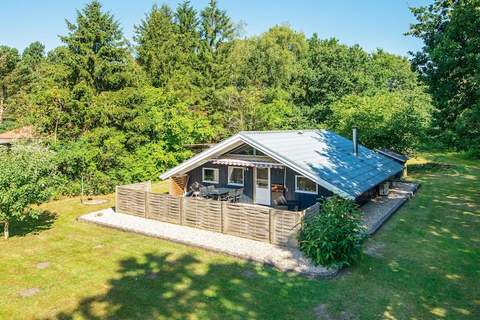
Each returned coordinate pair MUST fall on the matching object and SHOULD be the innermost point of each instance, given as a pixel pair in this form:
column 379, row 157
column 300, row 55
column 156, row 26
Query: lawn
column 424, row 263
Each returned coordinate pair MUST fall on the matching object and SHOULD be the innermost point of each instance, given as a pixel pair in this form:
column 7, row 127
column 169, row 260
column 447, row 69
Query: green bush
column 333, row 236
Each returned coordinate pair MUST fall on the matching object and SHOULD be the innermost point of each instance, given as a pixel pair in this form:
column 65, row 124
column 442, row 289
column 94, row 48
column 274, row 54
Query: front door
column 262, row 186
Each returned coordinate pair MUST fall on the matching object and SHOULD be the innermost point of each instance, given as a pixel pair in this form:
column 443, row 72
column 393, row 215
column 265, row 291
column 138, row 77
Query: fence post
column 270, row 231
column 116, row 199
column 146, row 203
column 182, row 210
column 222, row 215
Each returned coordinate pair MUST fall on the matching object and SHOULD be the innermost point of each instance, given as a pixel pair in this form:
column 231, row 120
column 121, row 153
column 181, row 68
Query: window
column 210, row 175
column 243, row 150
column 305, row 185
column 247, row 150
column 235, row 176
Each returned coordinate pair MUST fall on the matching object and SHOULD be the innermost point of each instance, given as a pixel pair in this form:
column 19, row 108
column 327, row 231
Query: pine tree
column 216, row 32
column 9, row 58
column 98, row 54
column 157, row 48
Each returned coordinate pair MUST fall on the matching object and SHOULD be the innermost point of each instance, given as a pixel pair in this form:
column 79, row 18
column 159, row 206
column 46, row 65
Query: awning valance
column 247, row 163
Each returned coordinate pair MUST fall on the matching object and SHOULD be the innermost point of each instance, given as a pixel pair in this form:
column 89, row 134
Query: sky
column 370, row 23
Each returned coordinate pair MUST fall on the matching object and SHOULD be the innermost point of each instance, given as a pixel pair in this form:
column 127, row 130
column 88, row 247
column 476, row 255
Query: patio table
column 219, row 192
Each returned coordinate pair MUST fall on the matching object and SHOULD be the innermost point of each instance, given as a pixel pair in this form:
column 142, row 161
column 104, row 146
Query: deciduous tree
column 26, row 178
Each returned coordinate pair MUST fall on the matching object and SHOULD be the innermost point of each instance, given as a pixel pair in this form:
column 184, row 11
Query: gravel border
column 283, row 258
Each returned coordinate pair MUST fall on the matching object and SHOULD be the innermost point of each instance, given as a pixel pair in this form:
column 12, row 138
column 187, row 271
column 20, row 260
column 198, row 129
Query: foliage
column 26, row 177
column 396, row 120
column 448, row 63
column 333, row 236
column 188, row 79
column 97, row 55
column 9, row 58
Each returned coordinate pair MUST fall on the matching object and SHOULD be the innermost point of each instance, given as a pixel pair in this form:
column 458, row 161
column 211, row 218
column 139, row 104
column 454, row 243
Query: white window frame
column 217, row 174
column 230, row 169
column 304, row 191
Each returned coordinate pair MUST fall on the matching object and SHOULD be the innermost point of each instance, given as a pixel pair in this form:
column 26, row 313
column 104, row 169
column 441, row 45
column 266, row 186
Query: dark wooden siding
column 196, row 176
column 305, row 199
column 277, row 177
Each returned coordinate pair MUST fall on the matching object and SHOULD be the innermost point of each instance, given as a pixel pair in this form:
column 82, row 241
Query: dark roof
column 395, row 156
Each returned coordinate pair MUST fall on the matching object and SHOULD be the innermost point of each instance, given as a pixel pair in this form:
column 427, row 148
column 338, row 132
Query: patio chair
column 228, row 196
column 280, row 203
column 238, row 194
column 196, row 189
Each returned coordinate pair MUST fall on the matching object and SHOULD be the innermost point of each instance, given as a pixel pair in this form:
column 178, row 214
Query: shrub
column 333, row 236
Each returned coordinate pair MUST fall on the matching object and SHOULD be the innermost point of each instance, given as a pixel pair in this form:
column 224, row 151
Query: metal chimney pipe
column 355, row 142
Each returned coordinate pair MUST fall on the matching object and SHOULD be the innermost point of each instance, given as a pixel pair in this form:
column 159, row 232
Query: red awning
column 246, row 163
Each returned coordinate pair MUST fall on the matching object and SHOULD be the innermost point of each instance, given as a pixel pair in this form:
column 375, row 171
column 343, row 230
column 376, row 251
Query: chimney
column 355, row 142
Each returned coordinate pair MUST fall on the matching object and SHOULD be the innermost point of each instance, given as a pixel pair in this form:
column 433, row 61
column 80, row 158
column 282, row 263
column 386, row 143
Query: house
column 300, row 166
column 23, row 133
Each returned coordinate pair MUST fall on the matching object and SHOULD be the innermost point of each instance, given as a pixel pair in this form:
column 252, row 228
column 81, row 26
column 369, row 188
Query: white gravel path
column 285, row 259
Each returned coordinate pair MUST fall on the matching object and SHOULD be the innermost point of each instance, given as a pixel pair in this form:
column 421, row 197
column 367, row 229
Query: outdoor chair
column 228, row 196
column 280, row 203
column 238, row 194
column 196, row 189
column 231, row 195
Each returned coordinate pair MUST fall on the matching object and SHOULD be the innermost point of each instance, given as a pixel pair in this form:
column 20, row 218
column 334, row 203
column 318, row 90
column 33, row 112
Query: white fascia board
column 202, row 157
column 293, row 166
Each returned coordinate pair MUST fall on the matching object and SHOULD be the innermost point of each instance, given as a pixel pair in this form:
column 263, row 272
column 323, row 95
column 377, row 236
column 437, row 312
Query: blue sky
column 370, row 23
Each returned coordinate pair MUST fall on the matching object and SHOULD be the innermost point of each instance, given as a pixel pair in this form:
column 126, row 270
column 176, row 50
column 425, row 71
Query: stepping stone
column 43, row 265
column 29, row 292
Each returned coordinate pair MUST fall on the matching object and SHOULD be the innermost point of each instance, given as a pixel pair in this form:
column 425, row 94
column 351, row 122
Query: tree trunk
column 6, row 234
column 1, row 109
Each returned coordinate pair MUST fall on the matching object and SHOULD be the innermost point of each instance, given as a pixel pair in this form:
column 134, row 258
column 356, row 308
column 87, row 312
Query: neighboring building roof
column 321, row 155
column 396, row 156
column 16, row 134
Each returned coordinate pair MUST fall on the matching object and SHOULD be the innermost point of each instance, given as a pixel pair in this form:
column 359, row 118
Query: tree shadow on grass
column 431, row 167
column 40, row 221
column 168, row 287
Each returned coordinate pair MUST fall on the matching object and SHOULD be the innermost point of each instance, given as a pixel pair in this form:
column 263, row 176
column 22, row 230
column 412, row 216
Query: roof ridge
column 281, row 131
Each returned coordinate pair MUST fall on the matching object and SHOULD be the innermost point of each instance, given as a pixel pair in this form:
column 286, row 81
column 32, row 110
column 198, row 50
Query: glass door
column 262, row 186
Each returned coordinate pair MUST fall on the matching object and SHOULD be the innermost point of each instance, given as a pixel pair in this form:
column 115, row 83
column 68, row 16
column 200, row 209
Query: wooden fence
column 250, row 221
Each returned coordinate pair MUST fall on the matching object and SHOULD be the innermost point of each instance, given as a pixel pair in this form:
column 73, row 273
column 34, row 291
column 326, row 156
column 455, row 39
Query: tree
column 216, row 32
column 448, row 63
column 98, row 56
column 9, row 58
column 157, row 45
column 254, row 108
column 332, row 71
column 396, row 120
column 26, row 178
column 23, row 78
column 274, row 59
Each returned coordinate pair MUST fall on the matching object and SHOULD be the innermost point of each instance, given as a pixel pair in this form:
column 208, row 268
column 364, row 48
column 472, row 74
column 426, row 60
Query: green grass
column 426, row 265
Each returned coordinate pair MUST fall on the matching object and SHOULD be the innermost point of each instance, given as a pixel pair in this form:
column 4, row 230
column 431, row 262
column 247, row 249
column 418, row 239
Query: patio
column 378, row 210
